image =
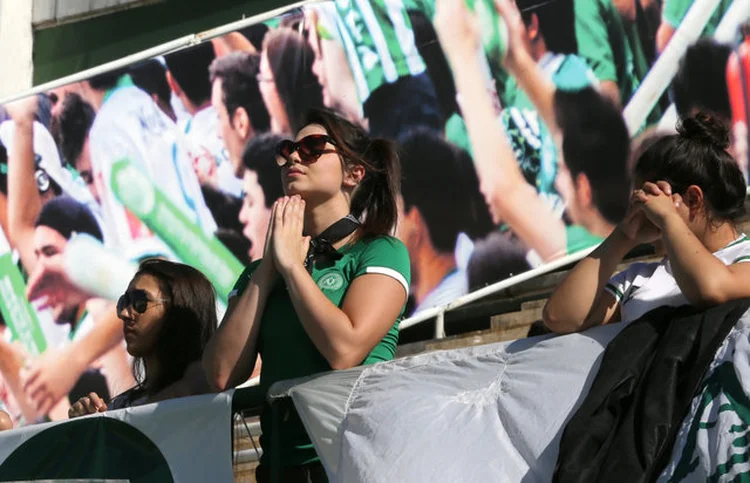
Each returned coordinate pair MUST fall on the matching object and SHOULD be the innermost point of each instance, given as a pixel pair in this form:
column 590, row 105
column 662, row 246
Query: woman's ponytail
column 374, row 200
column 377, row 193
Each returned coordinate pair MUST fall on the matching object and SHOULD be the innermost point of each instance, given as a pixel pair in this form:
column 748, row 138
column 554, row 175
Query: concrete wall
column 16, row 46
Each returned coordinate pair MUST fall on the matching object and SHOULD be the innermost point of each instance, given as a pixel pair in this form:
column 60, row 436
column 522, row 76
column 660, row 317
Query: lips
column 293, row 172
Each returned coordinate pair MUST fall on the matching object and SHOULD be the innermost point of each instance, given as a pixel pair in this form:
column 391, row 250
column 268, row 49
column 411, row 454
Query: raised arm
column 24, row 202
column 231, row 354
column 54, row 373
column 580, row 301
column 704, row 279
column 508, row 195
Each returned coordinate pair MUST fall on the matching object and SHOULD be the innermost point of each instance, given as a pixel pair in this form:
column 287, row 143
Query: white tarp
column 192, row 434
column 496, row 412
column 489, row 413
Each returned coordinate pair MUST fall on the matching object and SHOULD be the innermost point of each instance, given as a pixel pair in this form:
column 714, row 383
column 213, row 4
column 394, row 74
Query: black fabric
column 321, row 246
column 625, row 428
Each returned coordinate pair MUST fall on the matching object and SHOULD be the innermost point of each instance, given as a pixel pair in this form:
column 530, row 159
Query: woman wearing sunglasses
column 332, row 286
column 168, row 314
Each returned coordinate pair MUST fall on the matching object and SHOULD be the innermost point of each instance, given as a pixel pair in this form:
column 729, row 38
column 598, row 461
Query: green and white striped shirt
column 379, row 42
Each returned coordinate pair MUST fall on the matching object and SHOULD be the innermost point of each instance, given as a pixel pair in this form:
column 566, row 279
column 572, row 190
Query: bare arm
column 507, row 193
column 704, row 279
column 52, row 375
column 24, row 202
column 580, row 301
column 230, row 356
column 346, row 335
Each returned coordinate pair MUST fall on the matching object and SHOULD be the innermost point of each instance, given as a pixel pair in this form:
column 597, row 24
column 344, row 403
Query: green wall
column 70, row 48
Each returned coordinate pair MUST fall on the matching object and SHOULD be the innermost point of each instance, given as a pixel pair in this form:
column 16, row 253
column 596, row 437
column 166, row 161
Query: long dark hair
column 189, row 322
column 291, row 58
column 377, row 192
column 697, row 155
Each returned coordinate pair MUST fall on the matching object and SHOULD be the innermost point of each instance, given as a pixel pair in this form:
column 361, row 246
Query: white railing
column 180, row 43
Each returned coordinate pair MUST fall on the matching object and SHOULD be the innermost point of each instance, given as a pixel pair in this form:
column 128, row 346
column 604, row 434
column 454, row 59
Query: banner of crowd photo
column 145, row 443
column 175, row 157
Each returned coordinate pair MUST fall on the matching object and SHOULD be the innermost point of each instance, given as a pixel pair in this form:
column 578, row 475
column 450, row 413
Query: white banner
column 182, row 440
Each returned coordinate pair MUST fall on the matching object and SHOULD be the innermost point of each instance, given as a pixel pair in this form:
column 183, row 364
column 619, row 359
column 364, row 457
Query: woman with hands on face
column 168, row 314
column 332, row 286
column 689, row 189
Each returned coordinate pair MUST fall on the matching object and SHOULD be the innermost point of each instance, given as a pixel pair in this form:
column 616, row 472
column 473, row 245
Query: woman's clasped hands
column 286, row 246
column 650, row 208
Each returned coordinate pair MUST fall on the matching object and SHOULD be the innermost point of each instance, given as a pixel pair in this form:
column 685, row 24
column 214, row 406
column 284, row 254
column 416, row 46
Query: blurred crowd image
column 513, row 154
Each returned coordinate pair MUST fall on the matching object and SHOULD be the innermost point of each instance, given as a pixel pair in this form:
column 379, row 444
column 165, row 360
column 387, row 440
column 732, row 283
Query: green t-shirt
column 456, row 132
column 675, row 10
column 286, row 349
column 578, row 238
column 613, row 51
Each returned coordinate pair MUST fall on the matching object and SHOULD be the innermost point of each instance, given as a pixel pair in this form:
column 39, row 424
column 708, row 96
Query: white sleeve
column 620, row 285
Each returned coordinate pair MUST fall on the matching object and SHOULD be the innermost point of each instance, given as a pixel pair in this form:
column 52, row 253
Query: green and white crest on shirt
column 331, row 281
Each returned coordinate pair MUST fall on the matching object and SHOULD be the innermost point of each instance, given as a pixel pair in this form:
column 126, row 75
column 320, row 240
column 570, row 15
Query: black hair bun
column 704, row 129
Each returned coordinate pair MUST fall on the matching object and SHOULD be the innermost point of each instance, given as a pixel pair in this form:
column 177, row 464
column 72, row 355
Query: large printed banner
column 174, row 157
column 154, row 443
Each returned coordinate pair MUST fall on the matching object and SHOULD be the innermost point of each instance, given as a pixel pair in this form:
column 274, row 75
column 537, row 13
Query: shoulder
column 381, row 246
column 384, row 255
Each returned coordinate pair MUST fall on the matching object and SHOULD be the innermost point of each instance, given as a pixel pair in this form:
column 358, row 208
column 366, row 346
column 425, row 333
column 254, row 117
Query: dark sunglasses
column 138, row 299
column 310, row 148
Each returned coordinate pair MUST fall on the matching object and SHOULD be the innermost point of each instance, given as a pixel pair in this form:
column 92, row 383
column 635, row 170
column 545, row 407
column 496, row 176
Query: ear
column 583, row 194
column 694, row 200
column 241, row 123
column 174, row 85
column 354, row 175
column 533, row 27
column 416, row 228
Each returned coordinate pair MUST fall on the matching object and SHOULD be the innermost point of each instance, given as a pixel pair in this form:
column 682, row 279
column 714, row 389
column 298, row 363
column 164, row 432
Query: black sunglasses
column 310, row 148
column 138, row 299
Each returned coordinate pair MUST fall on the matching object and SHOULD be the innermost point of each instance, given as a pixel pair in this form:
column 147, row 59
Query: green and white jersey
column 129, row 125
column 379, row 42
column 288, row 352
column 529, row 138
column 643, row 287
column 675, row 10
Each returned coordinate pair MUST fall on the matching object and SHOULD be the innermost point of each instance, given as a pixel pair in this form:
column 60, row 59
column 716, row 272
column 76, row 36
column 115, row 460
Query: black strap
column 321, row 246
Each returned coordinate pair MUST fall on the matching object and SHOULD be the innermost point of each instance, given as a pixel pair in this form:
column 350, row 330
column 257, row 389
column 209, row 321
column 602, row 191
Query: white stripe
column 381, row 44
column 354, row 63
column 405, row 36
column 390, row 273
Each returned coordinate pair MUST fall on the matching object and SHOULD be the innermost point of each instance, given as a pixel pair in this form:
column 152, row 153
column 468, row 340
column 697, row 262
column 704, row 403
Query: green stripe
column 737, row 242
column 745, row 258
column 618, row 293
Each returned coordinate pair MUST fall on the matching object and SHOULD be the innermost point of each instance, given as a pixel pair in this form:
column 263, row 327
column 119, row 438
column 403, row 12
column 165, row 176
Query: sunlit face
column 331, row 67
column 234, row 141
column 319, row 180
column 254, row 214
column 269, row 92
column 49, row 246
column 142, row 331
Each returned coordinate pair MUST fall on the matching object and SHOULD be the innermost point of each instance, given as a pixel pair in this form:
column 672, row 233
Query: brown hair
column 376, row 195
column 189, row 322
column 291, row 58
